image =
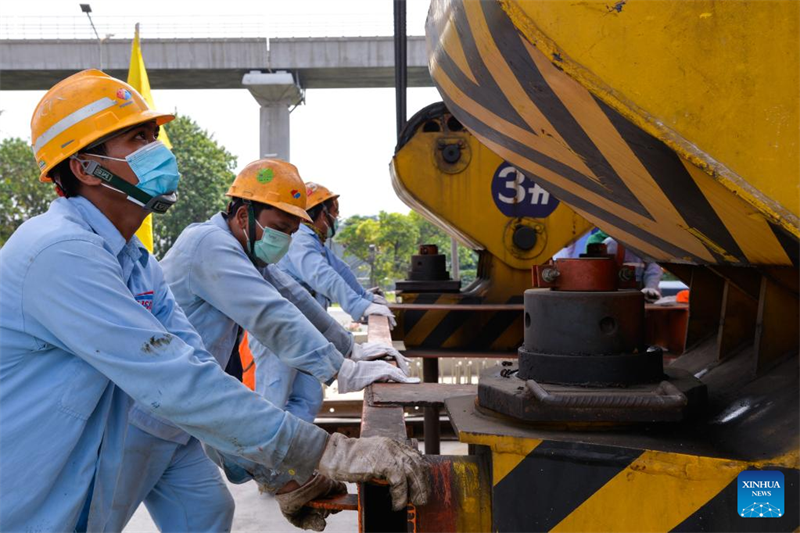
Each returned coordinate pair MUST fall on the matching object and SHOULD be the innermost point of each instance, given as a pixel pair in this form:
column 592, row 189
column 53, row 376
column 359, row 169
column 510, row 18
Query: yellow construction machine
column 673, row 127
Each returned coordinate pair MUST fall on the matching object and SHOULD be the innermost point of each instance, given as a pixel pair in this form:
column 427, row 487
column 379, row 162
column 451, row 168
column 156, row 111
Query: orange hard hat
column 316, row 194
column 272, row 182
column 82, row 109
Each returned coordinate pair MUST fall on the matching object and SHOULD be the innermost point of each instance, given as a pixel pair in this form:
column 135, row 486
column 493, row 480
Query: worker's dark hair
column 236, row 203
column 317, row 209
column 64, row 178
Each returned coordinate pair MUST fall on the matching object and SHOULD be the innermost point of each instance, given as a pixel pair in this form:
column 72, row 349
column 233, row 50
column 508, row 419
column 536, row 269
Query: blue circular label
column 516, row 195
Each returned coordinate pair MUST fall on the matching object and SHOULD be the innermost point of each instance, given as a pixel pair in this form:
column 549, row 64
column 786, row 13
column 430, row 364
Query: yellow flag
column 137, row 78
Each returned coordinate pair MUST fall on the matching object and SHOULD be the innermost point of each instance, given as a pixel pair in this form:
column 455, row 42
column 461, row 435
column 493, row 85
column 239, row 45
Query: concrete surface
column 215, row 63
column 259, row 513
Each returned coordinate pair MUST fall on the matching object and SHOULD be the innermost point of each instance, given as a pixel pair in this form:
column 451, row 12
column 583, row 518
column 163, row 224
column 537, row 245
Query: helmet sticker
column 123, row 94
column 295, row 193
column 265, row 175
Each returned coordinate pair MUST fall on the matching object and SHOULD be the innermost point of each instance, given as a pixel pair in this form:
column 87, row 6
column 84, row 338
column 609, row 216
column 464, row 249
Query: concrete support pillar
column 276, row 92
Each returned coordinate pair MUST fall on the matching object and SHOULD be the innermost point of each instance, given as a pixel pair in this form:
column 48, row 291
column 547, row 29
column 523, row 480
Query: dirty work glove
column 292, row 503
column 355, row 376
column 377, row 309
column 371, row 458
column 380, row 300
column 651, row 295
column 369, row 351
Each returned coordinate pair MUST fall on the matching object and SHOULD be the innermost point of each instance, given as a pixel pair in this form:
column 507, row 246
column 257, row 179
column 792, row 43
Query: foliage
column 22, row 195
column 206, row 173
column 396, row 238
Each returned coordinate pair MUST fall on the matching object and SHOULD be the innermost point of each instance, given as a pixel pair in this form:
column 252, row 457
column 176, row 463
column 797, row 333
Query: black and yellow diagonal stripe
column 498, row 331
column 570, row 487
column 527, row 110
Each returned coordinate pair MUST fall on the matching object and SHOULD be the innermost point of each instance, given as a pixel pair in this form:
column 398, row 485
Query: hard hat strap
column 155, row 204
column 251, row 230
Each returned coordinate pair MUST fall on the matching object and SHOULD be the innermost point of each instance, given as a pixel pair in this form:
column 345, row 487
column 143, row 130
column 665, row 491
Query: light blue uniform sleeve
column 319, row 317
column 250, row 301
column 75, row 287
column 652, row 276
column 343, row 269
column 174, row 320
column 318, row 274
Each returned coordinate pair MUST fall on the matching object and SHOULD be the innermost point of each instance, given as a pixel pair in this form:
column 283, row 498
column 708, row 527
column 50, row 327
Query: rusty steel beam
column 426, row 353
column 374, row 502
column 456, row 307
column 422, row 395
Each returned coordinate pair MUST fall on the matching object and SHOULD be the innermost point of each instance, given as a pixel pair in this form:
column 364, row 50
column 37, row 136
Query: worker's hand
column 370, row 458
column 651, row 295
column 380, row 300
column 376, row 291
column 355, row 376
column 292, row 503
column 377, row 309
column 369, row 351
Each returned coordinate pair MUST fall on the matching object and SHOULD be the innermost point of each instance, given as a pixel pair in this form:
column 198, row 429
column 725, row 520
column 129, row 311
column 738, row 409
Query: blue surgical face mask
column 155, row 167
column 272, row 246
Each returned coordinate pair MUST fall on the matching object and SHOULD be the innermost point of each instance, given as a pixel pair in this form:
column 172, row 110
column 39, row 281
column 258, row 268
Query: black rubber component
column 593, row 370
column 584, row 323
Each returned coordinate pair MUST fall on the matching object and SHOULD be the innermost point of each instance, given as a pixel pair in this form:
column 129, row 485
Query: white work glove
column 380, row 300
column 378, row 309
column 293, row 503
column 651, row 295
column 355, row 376
column 369, row 351
column 378, row 458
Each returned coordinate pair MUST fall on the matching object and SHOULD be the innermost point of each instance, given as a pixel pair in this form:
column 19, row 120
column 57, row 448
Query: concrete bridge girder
column 340, row 62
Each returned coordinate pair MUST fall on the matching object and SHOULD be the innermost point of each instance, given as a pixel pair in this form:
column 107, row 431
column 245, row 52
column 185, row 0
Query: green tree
column 206, row 173
column 396, row 238
column 22, row 196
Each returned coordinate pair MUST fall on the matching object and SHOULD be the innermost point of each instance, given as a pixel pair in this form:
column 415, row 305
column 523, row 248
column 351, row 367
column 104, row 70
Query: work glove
column 380, row 300
column 369, row 351
column 292, row 503
column 376, row 291
column 355, row 376
column 378, row 458
column 378, row 309
column 651, row 295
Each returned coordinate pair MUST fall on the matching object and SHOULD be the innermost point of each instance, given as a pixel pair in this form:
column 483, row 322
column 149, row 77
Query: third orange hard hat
column 316, row 194
column 272, row 182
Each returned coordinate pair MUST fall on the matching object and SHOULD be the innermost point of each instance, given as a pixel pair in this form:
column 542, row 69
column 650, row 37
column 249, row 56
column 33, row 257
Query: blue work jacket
column 86, row 320
column 220, row 289
column 327, row 277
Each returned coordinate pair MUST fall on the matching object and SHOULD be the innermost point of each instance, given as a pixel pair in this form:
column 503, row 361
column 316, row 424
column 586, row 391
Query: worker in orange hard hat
column 87, row 322
column 319, row 270
column 326, row 277
column 223, row 274
column 87, row 315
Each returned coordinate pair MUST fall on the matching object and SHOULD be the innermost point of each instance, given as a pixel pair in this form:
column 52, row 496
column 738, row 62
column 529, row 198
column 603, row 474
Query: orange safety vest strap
column 248, row 364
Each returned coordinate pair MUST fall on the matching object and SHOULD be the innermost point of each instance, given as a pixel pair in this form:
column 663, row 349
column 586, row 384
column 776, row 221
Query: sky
column 342, row 138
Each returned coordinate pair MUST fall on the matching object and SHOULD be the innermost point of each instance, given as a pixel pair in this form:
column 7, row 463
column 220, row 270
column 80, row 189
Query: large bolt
column 626, row 274
column 451, row 153
column 524, row 237
column 550, row 275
